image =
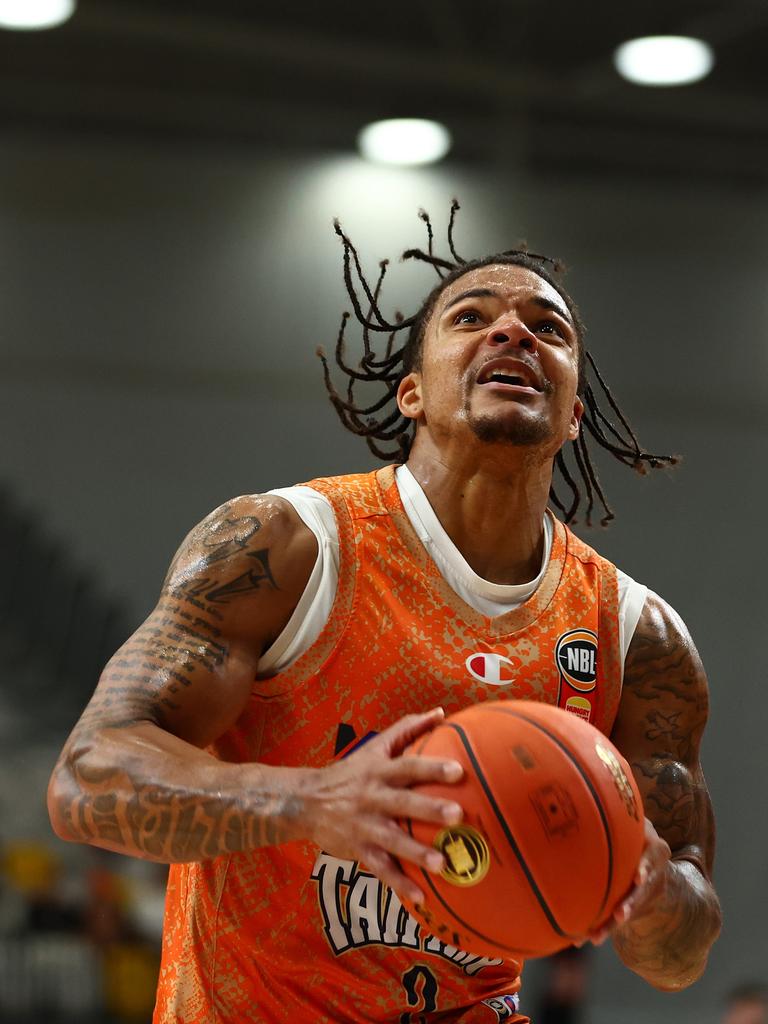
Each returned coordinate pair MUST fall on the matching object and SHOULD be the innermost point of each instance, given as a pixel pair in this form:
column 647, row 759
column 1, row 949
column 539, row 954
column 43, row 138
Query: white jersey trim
column 492, row 599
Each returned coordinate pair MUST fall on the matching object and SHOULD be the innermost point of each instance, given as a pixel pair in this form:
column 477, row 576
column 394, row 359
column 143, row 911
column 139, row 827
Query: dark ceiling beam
column 77, row 104
column 591, row 111
column 317, row 53
column 501, row 87
column 583, row 139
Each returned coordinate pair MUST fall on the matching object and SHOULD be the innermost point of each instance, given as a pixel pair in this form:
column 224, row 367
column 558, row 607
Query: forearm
column 143, row 792
column 669, row 945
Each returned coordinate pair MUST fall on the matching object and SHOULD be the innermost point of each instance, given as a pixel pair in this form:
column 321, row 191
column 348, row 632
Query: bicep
column 186, row 678
column 190, row 666
column 662, row 716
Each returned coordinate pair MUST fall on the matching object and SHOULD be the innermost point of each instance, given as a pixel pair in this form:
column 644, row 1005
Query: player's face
column 500, row 357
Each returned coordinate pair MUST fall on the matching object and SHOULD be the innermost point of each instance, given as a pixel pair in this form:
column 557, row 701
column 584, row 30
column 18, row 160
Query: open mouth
column 510, row 374
column 497, row 377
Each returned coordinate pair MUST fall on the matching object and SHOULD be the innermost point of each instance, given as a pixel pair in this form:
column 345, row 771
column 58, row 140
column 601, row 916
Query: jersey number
column 420, row 986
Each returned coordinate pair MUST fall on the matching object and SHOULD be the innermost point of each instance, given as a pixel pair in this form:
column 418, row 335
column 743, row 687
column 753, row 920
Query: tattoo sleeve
column 132, row 776
column 661, row 719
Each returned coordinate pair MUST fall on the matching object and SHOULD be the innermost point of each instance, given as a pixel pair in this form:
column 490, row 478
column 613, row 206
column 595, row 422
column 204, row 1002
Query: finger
column 387, row 869
column 596, row 937
column 599, row 937
column 399, row 803
column 642, row 898
column 395, row 841
column 642, row 871
column 409, row 770
column 648, row 862
column 397, row 737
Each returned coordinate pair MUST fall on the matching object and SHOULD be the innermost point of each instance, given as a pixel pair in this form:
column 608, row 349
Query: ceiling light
column 35, row 14
column 664, row 60
column 404, row 142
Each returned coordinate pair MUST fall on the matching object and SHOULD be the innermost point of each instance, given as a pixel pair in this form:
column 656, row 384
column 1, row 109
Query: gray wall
column 160, row 311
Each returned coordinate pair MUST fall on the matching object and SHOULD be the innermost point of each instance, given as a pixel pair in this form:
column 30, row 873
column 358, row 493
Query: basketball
column 551, row 837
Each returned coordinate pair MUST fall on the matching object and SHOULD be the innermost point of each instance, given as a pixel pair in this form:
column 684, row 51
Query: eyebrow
column 473, row 293
column 554, row 307
column 489, row 293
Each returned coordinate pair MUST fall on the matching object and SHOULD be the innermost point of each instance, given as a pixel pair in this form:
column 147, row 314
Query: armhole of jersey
column 314, row 607
column 632, row 597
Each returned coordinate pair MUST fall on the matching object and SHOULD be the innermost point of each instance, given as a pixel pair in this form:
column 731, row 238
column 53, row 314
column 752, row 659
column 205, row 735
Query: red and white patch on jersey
column 494, row 669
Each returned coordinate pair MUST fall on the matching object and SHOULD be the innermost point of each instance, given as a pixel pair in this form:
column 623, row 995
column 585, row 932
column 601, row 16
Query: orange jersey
column 291, row 933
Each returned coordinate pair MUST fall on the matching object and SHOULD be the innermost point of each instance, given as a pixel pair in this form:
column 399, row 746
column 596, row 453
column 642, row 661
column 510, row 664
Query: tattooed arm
column 134, row 776
column 666, row 927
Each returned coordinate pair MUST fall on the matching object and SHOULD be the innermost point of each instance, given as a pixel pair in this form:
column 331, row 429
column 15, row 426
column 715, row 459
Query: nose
column 514, row 332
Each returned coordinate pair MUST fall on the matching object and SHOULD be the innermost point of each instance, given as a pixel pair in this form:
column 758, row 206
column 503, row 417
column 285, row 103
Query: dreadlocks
column 382, row 424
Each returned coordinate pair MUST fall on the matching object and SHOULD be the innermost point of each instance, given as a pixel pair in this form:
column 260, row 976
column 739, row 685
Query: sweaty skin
column 665, row 928
column 133, row 776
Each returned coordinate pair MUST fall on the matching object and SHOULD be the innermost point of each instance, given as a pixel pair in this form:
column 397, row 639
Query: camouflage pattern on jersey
column 291, row 933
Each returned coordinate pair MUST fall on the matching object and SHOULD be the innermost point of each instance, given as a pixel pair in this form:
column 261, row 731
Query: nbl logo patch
column 576, row 657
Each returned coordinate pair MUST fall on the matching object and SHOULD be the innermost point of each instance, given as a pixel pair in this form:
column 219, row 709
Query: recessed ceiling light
column 664, row 60
column 35, row 14
column 404, row 141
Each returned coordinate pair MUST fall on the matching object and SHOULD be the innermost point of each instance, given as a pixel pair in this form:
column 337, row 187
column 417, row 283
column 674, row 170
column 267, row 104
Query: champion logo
column 494, row 669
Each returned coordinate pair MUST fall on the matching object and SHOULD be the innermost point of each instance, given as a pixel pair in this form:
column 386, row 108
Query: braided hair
column 389, row 434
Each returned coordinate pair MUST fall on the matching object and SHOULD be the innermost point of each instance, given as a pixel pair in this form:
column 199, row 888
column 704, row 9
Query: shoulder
column 665, row 697
column 231, row 531
column 250, row 545
column 661, row 643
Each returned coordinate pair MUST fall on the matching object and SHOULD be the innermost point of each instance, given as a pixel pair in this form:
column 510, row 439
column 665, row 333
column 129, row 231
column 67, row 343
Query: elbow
column 682, row 980
column 56, row 802
column 681, row 977
column 63, row 799
column 679, row 981
column 689, row 972
column 70, row 788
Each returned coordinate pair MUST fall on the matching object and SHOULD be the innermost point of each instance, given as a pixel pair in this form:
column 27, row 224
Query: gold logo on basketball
column 467, row 857
column 620, row 779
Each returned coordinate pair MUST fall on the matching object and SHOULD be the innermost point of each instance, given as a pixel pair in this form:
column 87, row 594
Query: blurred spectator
column 33, row 872
column 562, row 1000
column 80, row 944
column 747, row 1004
column 107, row 899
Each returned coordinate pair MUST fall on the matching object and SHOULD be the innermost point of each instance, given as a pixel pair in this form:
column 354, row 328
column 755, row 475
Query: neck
column 492, row 508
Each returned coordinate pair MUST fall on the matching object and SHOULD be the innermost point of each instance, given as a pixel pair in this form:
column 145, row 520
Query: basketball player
column 251, row 732
column 746, row 1004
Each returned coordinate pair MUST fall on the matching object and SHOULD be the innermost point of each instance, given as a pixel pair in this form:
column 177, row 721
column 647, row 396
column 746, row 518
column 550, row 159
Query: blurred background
column 169, row 173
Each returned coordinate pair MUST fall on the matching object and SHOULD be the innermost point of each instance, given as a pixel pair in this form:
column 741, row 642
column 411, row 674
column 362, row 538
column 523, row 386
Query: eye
column 550, row 327
column 468, row 316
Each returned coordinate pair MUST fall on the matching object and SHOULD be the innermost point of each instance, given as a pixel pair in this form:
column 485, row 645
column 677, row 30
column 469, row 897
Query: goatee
column 517, row 432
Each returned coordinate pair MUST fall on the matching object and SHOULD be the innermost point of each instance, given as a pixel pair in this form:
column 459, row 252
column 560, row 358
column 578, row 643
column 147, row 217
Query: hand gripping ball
column 551, row 837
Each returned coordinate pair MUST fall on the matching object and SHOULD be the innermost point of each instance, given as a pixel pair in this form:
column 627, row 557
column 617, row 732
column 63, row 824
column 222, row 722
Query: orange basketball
column 551, row 837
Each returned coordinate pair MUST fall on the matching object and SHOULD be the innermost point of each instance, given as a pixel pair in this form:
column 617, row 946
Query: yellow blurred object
column 130, row 979
column 29, row 866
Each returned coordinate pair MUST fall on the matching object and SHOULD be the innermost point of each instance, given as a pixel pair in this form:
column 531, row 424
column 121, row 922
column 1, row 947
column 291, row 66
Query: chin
column 519, row 432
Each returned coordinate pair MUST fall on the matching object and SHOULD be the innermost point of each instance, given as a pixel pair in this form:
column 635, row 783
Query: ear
column 575, row 424
column 409, row 396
